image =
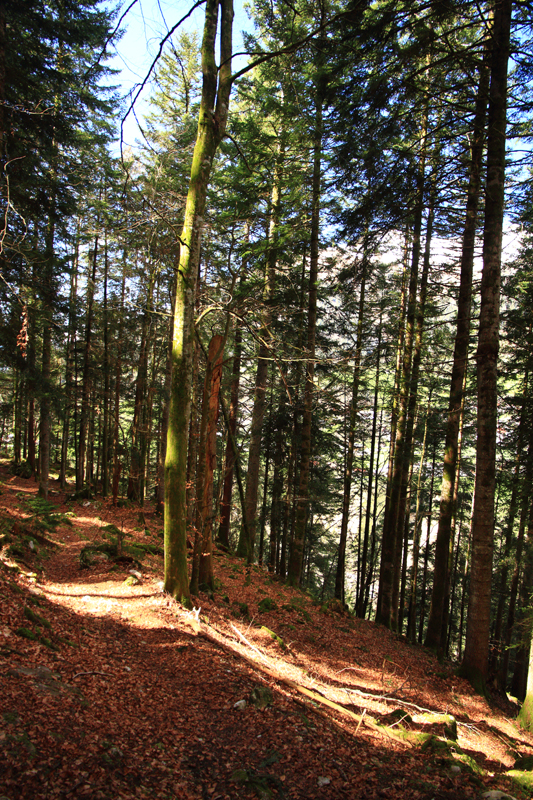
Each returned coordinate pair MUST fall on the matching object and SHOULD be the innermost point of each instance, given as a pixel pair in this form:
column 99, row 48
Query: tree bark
column 297, row 550
column 476, row 656
column 213, row 113
column 460, row 359
column 202, row 568
column 348, row 470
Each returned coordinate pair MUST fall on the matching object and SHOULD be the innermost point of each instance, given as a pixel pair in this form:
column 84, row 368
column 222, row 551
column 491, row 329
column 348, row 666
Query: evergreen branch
column 109, row 39
column 152, row 66
column 288, row 49
column 230, row 137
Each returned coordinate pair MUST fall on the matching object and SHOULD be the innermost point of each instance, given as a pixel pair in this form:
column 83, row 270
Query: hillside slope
column 112, row 690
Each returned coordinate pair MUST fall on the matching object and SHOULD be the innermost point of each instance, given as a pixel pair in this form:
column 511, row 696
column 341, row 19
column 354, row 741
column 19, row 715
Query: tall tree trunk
column 516, row 497
column 414, row 374
column 46, row 356
column 245, row 548
column 297, row 549
column 476, row 656
column 512, row 592
column 360, row 601
column 117, row 464
column 411, row 614
column 160, row 494
column 460, row 359
column 86, row 378
column 393, row 526
column 213, row 113
column 202, row 568
column 229, row 462
column 423, row 588
column 352, row 412
column 139, row 410
column 107, row 387
column 69, row 366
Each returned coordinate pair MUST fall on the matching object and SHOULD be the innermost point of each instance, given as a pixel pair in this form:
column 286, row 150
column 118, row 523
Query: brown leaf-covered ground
column 122, row 693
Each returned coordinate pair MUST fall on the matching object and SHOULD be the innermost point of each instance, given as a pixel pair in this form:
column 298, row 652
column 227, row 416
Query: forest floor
column 110, row 689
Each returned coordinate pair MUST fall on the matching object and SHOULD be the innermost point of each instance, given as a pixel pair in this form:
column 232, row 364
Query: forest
column 294, row 317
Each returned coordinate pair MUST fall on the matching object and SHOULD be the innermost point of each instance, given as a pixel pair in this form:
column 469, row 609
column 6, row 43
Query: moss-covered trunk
column 212, row 119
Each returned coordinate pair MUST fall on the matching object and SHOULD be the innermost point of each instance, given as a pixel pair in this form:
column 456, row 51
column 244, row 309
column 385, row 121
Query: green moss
column 27, row 634
column 48, row 643
column 266, row 604
column 261, row 697
column 274, row 636
column 523, row 778
column 525, row 715
column 36, row 618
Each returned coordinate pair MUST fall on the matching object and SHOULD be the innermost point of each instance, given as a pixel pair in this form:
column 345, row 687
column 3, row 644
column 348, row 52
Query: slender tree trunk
column 296, row 554
column 46, row 357
column 160, row 496
column 117, row 464
column 476, row 656
column 390, row 552
column 229, row 463
column 423, row 588
column 460, row 359
column 107, row 387
column 202, row 569
column 527, row 487
column 69, row 366
column 139, row 411
column 517, row 493
column 360, row 602
column 86, row 379
column 246, row 545
column 411, row 614
column 348, row 470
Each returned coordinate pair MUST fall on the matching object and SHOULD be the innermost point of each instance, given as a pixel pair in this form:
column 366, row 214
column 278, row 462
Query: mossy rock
column 22, row 470
column 241, row 609
column 261, row 697
column 267, row 604
column 333, row 606
column 395, row 716
column 447, row 721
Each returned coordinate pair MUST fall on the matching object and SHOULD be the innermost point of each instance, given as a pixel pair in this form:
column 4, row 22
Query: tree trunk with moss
column 212, row 120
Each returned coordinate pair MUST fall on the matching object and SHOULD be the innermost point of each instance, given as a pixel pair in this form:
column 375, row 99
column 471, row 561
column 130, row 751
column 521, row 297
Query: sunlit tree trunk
column 212, row 119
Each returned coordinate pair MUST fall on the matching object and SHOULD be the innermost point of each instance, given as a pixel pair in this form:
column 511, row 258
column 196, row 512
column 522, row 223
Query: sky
column 145, row 24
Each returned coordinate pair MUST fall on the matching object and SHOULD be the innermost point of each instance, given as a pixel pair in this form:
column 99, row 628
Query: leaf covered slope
column 110, row 689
